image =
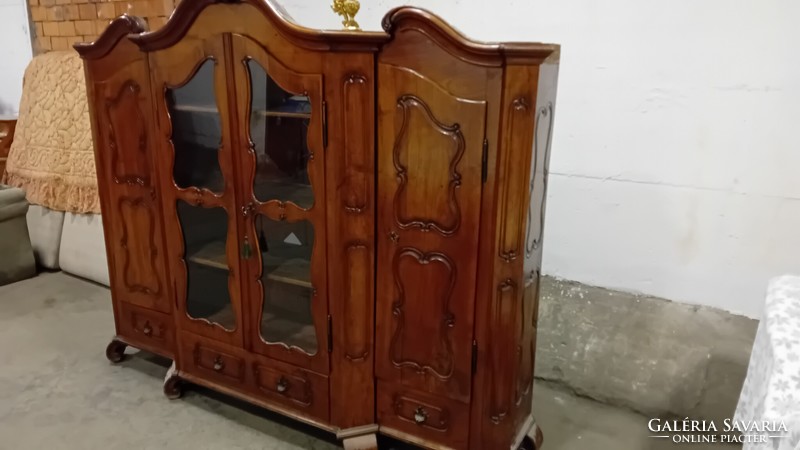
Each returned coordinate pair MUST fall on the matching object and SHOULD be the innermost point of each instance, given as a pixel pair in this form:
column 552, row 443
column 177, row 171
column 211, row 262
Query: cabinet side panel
column 350, row 180
column 118, row 87
column 511, row 253
column 536, row 199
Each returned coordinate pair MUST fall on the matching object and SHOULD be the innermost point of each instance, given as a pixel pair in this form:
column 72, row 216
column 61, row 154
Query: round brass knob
column 283, row 385
column 219, row 364
column 420, row 415
column 147, row 330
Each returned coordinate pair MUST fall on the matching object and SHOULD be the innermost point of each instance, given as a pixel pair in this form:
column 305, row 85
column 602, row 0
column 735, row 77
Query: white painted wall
column 676, row 154
column 15, row 52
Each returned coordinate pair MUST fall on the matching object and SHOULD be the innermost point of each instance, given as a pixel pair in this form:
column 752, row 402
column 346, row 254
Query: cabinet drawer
column 435, row 419
column 212, row 360
column 292, row 387
column 147, row 329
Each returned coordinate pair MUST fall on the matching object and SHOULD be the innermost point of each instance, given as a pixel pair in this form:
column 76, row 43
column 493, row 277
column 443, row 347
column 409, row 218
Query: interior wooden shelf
column 260, row 112
column 295, row 271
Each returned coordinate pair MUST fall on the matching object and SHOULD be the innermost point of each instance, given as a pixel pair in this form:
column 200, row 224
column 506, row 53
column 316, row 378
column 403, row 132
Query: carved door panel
column 429, row 194
column 120, row 91
column 192, row 92
column 282, row 185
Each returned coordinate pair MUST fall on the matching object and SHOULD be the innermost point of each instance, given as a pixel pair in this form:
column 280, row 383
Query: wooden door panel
column 209, row 207
column 295, row 208
column 120, row 92
column 429, row 187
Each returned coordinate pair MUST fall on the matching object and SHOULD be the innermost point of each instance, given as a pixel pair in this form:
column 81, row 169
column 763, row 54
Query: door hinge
column 330, row 334
column 474, row 356
column 175, row 294
column 324, row 124
column 485, row 161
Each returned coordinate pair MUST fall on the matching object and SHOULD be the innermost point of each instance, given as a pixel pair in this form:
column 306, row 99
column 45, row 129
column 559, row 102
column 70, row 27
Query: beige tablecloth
column 51, row 156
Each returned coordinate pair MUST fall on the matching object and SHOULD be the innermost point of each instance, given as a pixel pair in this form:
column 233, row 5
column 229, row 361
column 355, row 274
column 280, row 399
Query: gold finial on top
column 347, row 9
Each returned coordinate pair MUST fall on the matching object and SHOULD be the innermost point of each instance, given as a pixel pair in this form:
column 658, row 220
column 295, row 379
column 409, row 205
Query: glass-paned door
column 200, row 206
column 284, row 207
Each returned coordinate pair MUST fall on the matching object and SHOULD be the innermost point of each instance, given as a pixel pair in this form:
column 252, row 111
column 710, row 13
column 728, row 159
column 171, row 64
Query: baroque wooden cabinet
column 341, row 226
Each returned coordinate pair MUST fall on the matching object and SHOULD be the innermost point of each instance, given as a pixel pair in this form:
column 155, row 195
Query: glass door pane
column 286, row 279
column 279, row 129
column 196, row 132
column 204, row 234
column 197, row 172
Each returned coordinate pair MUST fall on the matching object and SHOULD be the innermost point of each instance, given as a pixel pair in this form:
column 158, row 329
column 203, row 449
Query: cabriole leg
column 533, row 441
column 173, row 385
column 115, row 351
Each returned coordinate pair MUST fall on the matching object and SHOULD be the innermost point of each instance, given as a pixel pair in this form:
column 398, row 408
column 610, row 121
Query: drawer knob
column 420, row 415
column 219, row 364
column 147, row 330
column 283, row 385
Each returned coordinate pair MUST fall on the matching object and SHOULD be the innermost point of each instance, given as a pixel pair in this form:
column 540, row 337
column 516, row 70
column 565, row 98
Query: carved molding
column 447, row 318
column 527, row 326
column 185, row 14
column 357, row 333
column 436, row 418
column 198, row 196
column 532, row 244
column 511, row 228
column 119, row 28
column 520, row 104
column 129, row 88
column 354, row 92
column 404, row 103
column 500, row 398
column 139, row 286
column 404, row 18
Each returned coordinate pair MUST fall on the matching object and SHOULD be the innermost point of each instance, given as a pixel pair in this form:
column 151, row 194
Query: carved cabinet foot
column 173, row 385
column 533, row 441
column 363, row 442
column 115, row 351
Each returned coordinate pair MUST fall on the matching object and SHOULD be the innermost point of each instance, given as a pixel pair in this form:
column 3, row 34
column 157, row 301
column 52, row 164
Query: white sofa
column 71, row 242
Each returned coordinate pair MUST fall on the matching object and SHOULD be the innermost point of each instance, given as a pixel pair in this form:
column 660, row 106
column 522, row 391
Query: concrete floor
column 58, row 391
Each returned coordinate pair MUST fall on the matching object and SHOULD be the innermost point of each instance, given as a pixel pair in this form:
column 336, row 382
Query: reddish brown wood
column 430, row 150
column 431, row 419
column 245, row 49
column 350, row 192
column 186, row 14
column 7, row 126
column 297, row 389
column 478, row 53
column 119, row 28
column 118, row 89
column 503, row 391
column 147, row 329
column 428, row 166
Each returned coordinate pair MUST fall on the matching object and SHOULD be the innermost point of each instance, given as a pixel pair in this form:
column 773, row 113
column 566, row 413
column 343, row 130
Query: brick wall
column 57, row 24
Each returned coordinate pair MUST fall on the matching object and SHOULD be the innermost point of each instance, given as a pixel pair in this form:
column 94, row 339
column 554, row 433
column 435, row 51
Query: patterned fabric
column 772, row 388
column 51, row 156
